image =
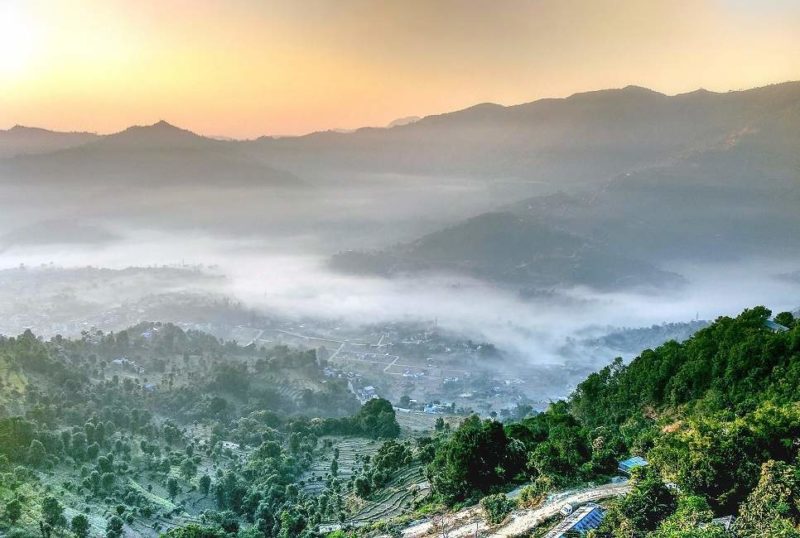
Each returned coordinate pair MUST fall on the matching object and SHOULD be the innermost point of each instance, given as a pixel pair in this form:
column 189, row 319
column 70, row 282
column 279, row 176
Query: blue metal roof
column 582, row 520
column 590, row 521
column 632, row 463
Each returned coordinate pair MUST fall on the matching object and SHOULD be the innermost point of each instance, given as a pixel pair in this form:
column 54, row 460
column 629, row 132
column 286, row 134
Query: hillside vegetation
column 193, row 437
column 716, row 416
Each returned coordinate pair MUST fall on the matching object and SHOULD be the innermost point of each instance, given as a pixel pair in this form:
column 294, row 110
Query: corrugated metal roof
column 584, row 519
column 632, row 463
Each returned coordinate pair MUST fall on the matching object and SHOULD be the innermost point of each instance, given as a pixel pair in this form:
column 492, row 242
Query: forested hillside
column 717, row 417
column 138, row 432
column 189, row 436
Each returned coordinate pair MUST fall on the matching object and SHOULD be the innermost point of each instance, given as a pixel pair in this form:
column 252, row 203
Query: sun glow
column 244, row 68
column 18, row 39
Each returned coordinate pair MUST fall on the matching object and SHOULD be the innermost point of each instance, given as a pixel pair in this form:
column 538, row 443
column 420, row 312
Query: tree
column 194, row 531
column 107, row 481
column 643, row 509
column 78, row 445
column 172, row 487
column 363, row 487
column 114, row 527
column 204, row 484
column 80, row 526
column 334, row 467
column 13, row 510
column 439, row 425
column 92, row 451
column 473, row 459
column 786, row 319
column 53, row 512
column 376, row 418
column 36, row 453
column 188, row 469
column 773, row 507
column 691, row 519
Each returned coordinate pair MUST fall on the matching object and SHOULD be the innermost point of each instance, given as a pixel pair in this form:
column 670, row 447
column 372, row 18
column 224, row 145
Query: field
column 416, row 423
column 398, row 497
column 349, row 448
column 405, row 488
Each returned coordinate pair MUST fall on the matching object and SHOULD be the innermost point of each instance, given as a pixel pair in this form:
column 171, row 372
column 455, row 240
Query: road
column 338, row 349
column 469, row 521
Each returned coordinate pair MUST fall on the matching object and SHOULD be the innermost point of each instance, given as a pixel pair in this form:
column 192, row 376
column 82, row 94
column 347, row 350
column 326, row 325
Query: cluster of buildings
column 589, row 516
column 438, row 408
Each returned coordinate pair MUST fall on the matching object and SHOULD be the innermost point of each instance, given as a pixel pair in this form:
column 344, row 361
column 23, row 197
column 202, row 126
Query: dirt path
column 469, row 522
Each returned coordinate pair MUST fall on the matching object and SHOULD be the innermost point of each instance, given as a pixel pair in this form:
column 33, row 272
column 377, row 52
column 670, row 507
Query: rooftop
column 585, row 518
column 631, row 463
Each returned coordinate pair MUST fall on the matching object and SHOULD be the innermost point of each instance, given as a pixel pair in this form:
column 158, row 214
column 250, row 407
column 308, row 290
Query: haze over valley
column 410, row 269
column 587, row 215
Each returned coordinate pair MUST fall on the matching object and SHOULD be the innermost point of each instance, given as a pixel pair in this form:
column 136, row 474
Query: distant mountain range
column 585, row 139
column 21, row 140
column 701, row 177
column 159, row 154
column 582, row 139
column 637, row 179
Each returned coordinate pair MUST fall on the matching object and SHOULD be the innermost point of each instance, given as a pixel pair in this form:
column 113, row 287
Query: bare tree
column 441, row 525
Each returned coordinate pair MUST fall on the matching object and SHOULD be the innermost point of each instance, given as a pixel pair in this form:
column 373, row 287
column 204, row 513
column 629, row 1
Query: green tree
column 643, row 509
column 204, row 484
column 188, row 469
column 13, row 510
column 376, row 418
column 172, row 487
column 53, row 512
column 107, row 481
column 36, row 453
column 114, row 527
column 80, row 526
column 473, row 459
column 691, row 519
column 194, row 531
column 363, row 487
column 773, row 507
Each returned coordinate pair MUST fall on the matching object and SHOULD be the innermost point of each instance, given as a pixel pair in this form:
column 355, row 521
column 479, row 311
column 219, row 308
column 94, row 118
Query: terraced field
column 348, row 448
column 397, row 498
column 405, row 488
column 414, row 423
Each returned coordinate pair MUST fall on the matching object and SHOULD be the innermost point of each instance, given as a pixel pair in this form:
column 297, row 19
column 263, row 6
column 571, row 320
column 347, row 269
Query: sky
column 245, row 68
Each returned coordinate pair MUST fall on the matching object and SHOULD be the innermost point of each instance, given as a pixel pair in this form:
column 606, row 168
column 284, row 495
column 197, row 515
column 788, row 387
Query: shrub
column 496, row 507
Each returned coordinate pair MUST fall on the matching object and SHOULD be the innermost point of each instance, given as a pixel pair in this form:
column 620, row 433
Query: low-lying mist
column 545, row 330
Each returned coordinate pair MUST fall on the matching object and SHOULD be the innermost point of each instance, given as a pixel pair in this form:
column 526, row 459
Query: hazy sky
column 248, row 67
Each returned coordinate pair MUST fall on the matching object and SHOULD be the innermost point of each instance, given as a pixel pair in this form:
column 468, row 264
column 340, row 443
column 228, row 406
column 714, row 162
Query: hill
column 519, row 251
column 738, row 194
column 155, row 429
column 20, row 140
column 155, row 155
column 585, row 139
column 716, row 417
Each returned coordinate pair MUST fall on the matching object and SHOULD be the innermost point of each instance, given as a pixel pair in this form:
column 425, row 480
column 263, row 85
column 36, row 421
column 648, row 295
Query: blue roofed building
column 626, row 466
column 582, row 520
